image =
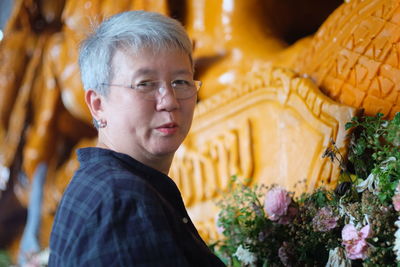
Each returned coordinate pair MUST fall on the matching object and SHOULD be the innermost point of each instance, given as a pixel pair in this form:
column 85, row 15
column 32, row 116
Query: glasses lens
column 181, row 89
column 185, row 89
column 182, row 93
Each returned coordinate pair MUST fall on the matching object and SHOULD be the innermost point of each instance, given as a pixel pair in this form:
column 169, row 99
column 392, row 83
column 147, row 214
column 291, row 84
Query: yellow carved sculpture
column 272, row 127
column 355, row 56
column 28, row 54
column 21, row 52
column 16, row 49
column 230, row 35
column 260, row 116
column 61, row 87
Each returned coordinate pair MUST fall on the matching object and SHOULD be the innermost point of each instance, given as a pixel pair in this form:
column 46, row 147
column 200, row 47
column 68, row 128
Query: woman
column 121, row 208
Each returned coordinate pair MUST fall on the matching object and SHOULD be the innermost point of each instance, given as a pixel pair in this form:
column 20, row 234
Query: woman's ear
column 95, row 103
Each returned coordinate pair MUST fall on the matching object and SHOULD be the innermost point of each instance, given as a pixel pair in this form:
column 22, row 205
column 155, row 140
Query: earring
column 102, row 124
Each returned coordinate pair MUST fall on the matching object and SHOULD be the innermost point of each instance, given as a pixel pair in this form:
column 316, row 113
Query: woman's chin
column 164, row 150
column 165, row 147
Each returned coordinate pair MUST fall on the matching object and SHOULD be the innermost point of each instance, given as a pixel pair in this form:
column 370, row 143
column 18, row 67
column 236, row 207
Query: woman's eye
column 145, row 85
column 180, row 83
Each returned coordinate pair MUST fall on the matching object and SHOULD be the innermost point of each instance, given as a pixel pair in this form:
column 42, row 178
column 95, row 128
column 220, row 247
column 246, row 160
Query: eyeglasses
column 182, row 89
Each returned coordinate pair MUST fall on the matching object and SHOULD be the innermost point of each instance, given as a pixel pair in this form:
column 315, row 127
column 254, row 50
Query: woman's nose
column 166, row 99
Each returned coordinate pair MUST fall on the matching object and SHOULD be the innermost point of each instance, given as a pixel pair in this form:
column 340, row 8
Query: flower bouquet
column 356, row 224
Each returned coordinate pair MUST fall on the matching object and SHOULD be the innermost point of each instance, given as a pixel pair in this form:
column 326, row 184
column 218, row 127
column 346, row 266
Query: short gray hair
column 134, row 30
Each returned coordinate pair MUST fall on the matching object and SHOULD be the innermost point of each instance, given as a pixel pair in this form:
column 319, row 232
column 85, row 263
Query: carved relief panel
column 272, row 128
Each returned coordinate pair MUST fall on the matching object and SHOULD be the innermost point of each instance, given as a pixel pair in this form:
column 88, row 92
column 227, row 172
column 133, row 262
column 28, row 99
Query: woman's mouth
column 168, row 128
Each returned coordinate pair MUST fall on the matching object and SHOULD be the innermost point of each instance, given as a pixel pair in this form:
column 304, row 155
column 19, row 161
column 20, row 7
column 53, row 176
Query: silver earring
column 102, row 124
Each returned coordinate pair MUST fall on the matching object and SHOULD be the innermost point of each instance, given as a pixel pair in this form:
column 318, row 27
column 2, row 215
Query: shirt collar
column 161, row 182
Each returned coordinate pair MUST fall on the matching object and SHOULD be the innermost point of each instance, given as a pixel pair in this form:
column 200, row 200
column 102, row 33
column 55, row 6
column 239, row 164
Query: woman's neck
column 159, row 163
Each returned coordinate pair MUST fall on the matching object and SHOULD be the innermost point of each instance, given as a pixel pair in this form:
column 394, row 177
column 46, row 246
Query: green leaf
column 349, row 125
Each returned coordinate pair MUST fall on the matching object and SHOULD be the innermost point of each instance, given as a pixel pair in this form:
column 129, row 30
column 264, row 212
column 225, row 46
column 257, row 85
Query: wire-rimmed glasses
column 182, row 89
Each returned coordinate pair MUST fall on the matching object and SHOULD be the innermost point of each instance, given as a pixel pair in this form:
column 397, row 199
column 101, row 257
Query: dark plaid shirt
column 118, row 212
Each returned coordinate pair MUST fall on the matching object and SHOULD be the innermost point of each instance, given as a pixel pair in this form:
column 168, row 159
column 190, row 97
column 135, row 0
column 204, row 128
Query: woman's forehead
column 147, row 61
column 153, row 65
column 150, row 71
column 149, row 50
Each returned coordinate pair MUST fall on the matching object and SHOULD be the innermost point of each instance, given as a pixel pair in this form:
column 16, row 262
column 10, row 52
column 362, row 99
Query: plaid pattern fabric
column 118, row 212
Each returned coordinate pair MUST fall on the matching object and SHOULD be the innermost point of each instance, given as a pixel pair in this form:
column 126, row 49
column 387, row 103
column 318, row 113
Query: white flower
column 337, row 258
column 385, row 163
column 371, row 183
column 245, row 256
column 396, row 247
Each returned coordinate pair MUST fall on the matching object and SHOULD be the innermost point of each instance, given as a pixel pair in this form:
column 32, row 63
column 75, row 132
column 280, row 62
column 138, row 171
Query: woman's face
column 147, row 130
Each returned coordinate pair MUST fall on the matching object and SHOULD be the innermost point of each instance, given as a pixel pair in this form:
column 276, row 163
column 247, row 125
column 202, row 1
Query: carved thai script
column 205, row 170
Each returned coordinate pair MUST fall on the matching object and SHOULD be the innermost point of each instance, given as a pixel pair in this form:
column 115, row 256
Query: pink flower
column 277, row 201
column 396, row 198
column 220, row 228
column 324, row 220
column 396, row 201
column 354, row 241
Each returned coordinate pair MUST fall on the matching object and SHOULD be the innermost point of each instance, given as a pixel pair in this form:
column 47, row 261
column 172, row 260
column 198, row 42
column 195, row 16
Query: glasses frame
column 197, row 84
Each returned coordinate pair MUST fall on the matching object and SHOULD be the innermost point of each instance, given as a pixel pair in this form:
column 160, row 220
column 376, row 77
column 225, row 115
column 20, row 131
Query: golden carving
column 16, row 49
column 221, row 36
column 272, row 127
column 61, row 90
column 229, row 35
column 213, row 162
column 354, row 56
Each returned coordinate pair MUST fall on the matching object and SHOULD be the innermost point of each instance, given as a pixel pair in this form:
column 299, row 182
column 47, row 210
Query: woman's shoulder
column 91, row 195
column 110, row 177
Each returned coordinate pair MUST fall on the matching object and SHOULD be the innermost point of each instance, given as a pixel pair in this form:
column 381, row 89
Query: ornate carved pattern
column 273, row 127
column 354, row 57
column 203, row 173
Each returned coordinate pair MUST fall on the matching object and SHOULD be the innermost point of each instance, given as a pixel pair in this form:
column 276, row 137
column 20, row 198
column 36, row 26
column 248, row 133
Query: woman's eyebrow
column 144, row 71
column 183, row 71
